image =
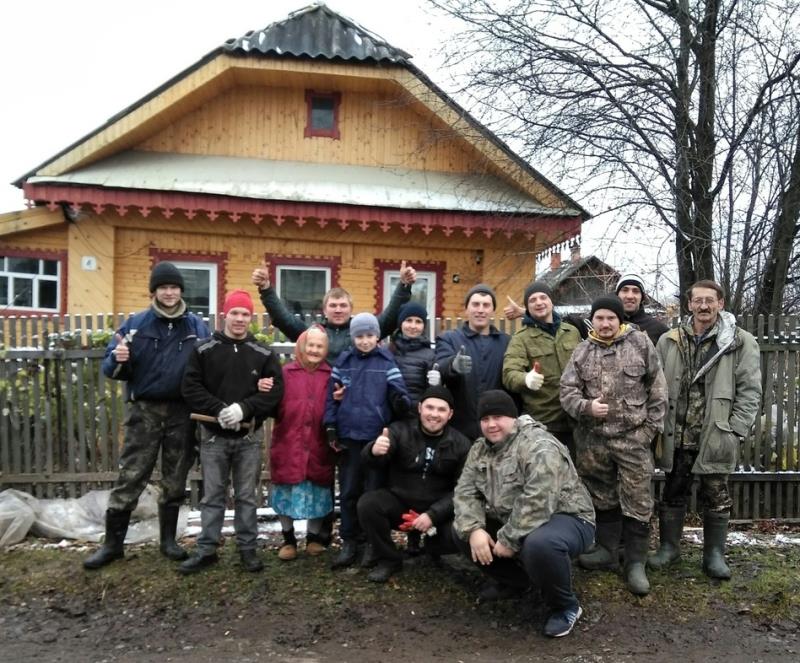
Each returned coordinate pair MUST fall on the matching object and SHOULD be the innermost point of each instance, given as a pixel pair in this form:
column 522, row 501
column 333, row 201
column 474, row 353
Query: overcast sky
column 67, row 66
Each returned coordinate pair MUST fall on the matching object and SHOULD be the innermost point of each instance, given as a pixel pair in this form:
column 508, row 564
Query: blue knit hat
column 409, row 309
column 364, row 323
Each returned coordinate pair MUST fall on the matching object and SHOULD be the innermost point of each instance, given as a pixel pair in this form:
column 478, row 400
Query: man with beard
column 630, row 290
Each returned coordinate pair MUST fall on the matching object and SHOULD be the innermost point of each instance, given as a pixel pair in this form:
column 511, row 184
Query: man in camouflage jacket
column 521, row 511
column 614, row 388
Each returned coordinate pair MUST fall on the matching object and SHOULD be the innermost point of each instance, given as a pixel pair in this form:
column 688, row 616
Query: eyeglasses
column 699, row 301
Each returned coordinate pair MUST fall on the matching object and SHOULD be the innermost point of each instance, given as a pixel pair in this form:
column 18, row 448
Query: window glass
column 423, row 292
column 199, row 286
column 4, row 291
column 23, row 265
column 50, row 267
column 302, row 288
column 21, row 293
column 322, row 115
column 29, row 283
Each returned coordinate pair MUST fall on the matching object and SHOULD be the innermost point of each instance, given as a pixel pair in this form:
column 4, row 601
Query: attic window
column 322, row 114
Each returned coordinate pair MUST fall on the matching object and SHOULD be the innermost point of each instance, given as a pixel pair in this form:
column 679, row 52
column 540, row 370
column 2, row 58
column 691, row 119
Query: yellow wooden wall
column 378, row 128
column 45, row 239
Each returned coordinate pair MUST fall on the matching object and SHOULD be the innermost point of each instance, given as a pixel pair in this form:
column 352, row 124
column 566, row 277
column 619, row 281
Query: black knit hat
column 409, row 309
column 610, row 303
column 438, row 391
column 497, row 402
column 537, row 286
column 165, row 273
column 480, row 289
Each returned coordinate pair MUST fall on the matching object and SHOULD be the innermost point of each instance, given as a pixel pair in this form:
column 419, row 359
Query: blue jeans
column 544, row 559
column 219, row 458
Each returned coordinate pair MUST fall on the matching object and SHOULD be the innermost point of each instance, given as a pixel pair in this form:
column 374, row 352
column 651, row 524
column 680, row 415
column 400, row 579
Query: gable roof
column 315, row 32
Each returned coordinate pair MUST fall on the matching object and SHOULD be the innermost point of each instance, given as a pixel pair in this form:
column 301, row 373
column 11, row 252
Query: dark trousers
column 544, row 559
column 380, row 511
column 354, row 479
column 714, row 494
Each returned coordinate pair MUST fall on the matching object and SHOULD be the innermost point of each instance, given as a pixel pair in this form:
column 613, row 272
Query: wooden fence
column 61, row 418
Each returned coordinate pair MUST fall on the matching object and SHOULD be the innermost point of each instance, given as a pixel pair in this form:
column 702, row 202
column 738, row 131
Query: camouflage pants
column 617, row 471
column 150, row 427
column 713, row 492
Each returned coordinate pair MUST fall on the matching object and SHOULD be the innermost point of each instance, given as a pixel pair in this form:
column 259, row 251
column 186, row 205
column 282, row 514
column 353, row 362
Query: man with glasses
column 714, row 380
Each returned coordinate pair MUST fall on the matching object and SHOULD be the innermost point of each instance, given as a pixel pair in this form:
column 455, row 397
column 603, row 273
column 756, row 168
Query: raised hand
column 462, row 362
column 381, row 444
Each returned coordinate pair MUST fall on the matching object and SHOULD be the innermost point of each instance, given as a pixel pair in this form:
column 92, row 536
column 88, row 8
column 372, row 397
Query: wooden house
column 311, row 144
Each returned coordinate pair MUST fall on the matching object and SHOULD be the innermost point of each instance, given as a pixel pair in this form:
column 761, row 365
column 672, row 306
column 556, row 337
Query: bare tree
column 648, row 104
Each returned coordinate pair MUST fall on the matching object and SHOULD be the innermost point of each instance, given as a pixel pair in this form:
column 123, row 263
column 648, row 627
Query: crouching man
column 521, row 512
column 424, row 458
column 221, row 381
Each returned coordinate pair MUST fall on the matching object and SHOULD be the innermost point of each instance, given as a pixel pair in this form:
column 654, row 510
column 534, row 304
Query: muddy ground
column 141, row 610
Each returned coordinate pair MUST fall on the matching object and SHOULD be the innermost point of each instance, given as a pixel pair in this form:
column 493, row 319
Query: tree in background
column 673, row 112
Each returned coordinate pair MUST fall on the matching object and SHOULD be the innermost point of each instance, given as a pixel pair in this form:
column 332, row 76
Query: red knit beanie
column 238, row 299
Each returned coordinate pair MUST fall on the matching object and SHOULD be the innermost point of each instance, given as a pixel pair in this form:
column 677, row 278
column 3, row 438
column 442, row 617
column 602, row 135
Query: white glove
column 231, row 415
column 434, row 376
column 534, row 380
column 229, row 426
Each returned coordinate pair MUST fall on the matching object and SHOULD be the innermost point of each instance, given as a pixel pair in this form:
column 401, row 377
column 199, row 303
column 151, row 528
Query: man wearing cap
column 614, row 388
column 521, row 511
column 149, row 352
column 337, row 308
column 470, row 358
column 423, row 458
column 630, row 290
column 221, row 381
column 714, row 376
column 535, row 358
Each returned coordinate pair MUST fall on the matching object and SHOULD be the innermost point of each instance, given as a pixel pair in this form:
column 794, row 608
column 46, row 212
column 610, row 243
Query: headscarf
column 300, row 347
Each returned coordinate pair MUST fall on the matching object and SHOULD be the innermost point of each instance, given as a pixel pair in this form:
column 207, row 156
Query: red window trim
column 220, row 258
column 61, row 256
column 438, row 267
column 311, row 132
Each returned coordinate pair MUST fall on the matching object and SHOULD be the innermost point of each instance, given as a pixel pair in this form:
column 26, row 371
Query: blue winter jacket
column 159, row 350
column 374, row 387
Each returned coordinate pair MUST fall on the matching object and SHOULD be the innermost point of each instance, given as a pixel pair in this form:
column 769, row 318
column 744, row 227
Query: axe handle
column 194, row 416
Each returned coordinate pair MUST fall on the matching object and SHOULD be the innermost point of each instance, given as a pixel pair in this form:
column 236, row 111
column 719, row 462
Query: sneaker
column 561, row 623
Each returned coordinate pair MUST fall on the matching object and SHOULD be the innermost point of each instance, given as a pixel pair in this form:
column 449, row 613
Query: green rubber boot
column 670, row 529
column 715, row 531
column 637, row 541
column 607, row 535
column 113, row 545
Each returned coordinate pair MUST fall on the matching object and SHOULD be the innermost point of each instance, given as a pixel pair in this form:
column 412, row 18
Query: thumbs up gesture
column 462, row 362
column 260, row 276
column 381, row 445
column 121, row 352
column 512, row 310
column 434, row 376
column 534, row 378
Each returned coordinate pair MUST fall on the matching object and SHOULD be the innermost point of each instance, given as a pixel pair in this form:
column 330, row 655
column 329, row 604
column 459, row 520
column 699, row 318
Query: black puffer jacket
column 427, row 487
column 651, row 326
column 414, row 357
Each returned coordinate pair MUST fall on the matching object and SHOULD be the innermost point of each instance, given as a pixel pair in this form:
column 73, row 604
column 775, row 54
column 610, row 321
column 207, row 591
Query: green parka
column 732, row 395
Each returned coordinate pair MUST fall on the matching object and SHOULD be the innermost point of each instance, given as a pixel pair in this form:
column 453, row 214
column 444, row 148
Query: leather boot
column 167, row 526
column 606, row 536
column 369, row 558
column 197, row 563
column 637, row 541
column 715, row 532
column 347, row 555
column 113, row 545
column 670, row 529
column 250, row 561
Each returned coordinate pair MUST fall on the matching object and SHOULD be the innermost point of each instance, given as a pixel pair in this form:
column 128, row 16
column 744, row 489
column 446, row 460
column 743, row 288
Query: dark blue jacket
column 374, row 387
column 159, row 350
column 414, row 357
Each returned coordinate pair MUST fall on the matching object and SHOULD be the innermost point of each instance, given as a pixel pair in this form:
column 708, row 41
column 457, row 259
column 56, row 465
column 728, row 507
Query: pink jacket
column 299, row 449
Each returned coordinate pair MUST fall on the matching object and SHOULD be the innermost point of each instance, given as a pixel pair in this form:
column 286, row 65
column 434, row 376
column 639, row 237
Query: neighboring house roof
column 318, row 33
column 556, row 277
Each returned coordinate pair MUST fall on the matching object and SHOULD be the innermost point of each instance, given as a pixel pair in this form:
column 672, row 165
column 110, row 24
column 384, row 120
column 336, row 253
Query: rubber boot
column 347, row 555
column 637, row 541
column 167, row 526
column 715, row 531
column 606, row 536
column 670, row 529
column 113, row 545
column 288, row 550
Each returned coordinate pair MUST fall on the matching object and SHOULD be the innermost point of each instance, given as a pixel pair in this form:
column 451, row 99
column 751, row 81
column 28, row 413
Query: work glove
column 333, row 438
column 231, row 416
column 462, row 362
column 534, row 378
column 434, row 377
column 408, row 519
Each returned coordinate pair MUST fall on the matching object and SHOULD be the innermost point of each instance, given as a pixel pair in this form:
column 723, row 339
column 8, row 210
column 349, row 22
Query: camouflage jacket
column 520, row 482
column 627, row 374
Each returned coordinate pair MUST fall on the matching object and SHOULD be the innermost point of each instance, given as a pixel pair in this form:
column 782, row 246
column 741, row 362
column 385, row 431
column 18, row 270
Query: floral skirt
column 302, row 500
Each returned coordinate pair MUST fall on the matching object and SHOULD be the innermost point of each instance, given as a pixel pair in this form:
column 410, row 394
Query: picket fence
column 61, row 418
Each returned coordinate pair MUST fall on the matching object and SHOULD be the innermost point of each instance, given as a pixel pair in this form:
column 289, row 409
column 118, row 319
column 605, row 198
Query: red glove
column 408, row 521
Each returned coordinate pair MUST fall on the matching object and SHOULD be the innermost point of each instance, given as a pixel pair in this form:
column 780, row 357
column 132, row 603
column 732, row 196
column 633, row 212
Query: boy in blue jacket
column 366, row 392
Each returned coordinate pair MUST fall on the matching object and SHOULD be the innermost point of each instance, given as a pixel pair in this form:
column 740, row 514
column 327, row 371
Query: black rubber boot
column 167, row 526
column 113, row 545
column 384, row 570
column 670, row 529
column 637, row 541
column 347, row 555
column 369, row 558
column 607, row 535
column 715, row 532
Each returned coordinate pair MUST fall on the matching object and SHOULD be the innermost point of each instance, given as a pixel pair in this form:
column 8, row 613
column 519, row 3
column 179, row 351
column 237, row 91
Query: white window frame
column 213, row 270
column 35, row 278
column 430, row 306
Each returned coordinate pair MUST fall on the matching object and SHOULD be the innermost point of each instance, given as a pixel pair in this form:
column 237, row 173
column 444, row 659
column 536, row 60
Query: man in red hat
column 221, row 380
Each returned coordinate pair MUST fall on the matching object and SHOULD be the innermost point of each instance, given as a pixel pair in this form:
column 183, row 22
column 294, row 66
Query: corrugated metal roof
column 304, row 182
column 317, row 32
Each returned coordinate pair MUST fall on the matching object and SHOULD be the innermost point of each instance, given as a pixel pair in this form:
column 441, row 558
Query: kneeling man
column 424, row 458
column 521, row 512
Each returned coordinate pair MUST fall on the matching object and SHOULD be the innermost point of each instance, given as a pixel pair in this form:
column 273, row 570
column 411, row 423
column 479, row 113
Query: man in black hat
column 424, row 458
column 149, row 352
column 630, row 290
column 521, row 512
